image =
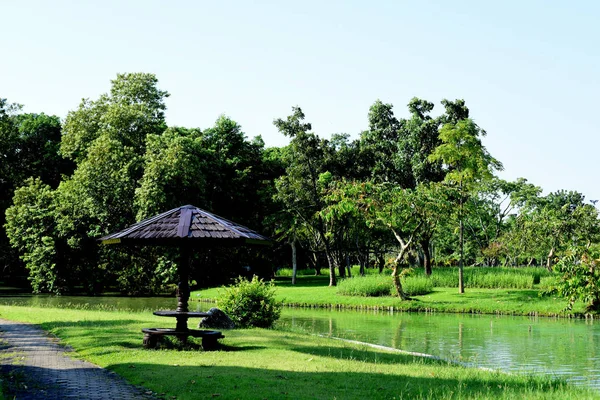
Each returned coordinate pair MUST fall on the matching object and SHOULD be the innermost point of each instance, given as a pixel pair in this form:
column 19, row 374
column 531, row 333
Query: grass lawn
column 270, row 364
column 311, row 291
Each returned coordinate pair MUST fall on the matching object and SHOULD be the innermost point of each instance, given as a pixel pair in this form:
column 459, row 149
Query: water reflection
column 559, row 347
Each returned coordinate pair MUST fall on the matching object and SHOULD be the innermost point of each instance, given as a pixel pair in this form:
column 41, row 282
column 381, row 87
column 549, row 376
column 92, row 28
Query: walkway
column 34, row 367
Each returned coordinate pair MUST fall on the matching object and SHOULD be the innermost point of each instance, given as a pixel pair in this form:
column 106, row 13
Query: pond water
column 564, row 348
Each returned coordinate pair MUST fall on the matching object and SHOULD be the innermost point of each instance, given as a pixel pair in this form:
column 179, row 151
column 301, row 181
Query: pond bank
column 516, row 302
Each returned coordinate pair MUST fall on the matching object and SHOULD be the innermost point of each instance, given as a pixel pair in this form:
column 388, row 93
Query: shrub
column 251, row 303
column 579, row 272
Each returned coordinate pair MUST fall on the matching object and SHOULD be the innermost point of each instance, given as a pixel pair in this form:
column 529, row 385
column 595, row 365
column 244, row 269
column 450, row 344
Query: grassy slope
column 313, row 291
column 269, row 364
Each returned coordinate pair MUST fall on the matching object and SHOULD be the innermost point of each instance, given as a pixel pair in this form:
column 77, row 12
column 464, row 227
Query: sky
column 528, row 70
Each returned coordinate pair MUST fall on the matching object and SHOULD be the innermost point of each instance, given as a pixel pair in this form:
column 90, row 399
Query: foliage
column 579, row 272
column 468, row 163
column 29, row 146
column 335, row 201
column 251, row 303
column 300, row 190
column 30, row 226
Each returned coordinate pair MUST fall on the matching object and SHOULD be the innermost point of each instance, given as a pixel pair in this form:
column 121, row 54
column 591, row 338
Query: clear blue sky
column 528, row 70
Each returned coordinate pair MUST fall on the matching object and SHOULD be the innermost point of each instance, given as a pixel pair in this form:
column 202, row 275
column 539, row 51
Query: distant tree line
column 419, row 190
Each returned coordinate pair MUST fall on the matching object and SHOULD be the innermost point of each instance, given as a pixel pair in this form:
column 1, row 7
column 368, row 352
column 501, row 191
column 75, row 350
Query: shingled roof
column 186, row 224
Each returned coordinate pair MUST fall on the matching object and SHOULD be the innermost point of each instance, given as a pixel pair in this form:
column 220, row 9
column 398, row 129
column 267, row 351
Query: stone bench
column 209, row 338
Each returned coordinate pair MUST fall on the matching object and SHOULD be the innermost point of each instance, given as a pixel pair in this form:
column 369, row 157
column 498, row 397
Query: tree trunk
column 398, row 284
column 314, row 262
column 381, row 262
column 348, row 266
column 341, row 269
column 549, row 259
column 294, row 262
column 461, row 284
column 331, row 262
column 426, row 256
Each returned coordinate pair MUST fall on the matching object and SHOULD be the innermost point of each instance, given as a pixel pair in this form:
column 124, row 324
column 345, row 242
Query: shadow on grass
column 90, row 323
column 205, row 381
column 365, row 355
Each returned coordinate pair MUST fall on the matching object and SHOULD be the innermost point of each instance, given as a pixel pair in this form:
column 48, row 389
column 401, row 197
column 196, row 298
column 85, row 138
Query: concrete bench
column 209, row 338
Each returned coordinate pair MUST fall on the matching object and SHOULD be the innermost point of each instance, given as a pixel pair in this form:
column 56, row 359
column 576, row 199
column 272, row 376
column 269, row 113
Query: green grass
column 312, row 291
column 271, row 364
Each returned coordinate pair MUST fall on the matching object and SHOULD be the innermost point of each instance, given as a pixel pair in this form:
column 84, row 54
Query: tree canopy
column 395, row 195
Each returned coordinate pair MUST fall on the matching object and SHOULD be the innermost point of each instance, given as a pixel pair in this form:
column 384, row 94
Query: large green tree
column 29, row 146
column 468, row 163
column 300, row 191
column 106, row 138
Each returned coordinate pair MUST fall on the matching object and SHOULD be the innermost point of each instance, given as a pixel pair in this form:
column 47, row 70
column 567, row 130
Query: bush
column 382, row 285
column 251, row 303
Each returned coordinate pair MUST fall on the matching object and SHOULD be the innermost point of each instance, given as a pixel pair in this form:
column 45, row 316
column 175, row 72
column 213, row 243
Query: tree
column 398, row 150
column 300, row 190
column 106, row 139
column 406, row 213
column 28, row 148
column 552, row 223
column 468, row 162
column 31, row 228
column 175, row 172
column 489, row 210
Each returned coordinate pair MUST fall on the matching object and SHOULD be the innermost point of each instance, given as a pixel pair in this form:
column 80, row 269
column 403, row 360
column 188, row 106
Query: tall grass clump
column 287, row 272
column 490, row 277
column 382, row 285
column 369, row 271
column 417, row 285
column 366, row 286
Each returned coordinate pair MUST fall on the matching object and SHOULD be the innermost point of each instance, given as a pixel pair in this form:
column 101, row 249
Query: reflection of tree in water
column 397, row 338
column 460, row 338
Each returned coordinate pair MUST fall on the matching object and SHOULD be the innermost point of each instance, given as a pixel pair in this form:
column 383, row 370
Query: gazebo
column 190, row 229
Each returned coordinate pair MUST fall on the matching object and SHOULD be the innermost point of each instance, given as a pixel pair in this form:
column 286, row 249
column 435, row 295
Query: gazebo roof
column 186, row 225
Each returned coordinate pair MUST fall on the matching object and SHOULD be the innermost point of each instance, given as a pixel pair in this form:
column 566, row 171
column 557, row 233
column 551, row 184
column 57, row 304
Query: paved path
column 36, row 367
